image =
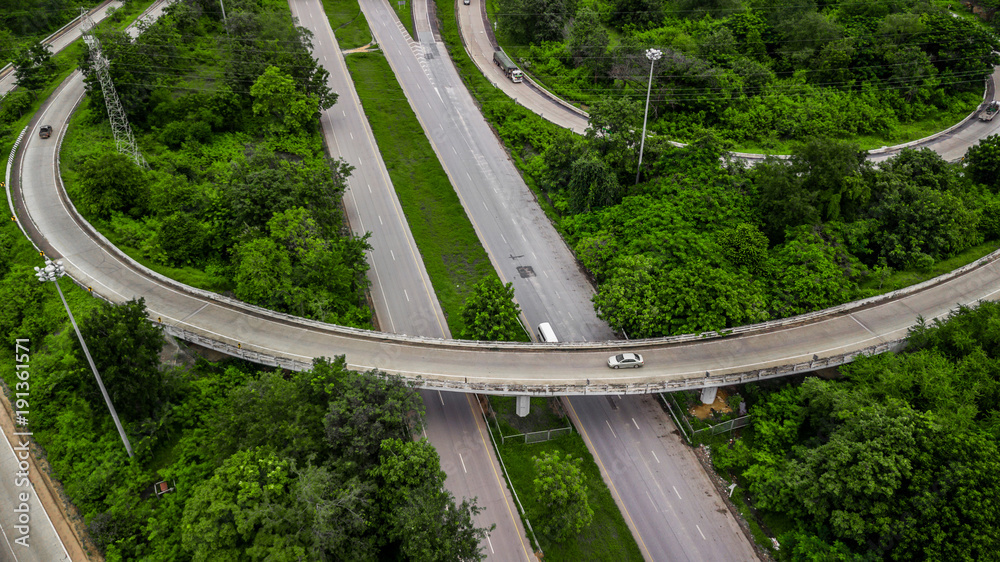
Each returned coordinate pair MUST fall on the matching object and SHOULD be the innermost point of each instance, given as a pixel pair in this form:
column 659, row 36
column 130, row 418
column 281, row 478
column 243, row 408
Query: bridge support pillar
column 708, row 394
column 523, row 405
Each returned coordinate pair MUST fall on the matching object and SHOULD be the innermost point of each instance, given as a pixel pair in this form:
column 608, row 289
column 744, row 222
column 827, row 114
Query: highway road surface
column 665, row 527
column 404, row 300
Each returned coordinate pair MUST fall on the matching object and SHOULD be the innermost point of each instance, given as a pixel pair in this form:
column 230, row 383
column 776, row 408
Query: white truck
column 509, row 68
column 990, row 111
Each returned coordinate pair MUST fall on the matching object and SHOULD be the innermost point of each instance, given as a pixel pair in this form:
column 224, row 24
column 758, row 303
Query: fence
column 690, row 434
column 531, row 436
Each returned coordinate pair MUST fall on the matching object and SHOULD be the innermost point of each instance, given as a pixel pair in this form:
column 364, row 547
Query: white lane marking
column 424, row 428
column 468, row 174
column 676, row 492
column 407, row 295
column 504, row 239
column 380, row 220
column 352, row 135
column 485, row 207
column 441, row 398
column 533, row 255
column 345, row 113
column 325, row 59
column 545, row 273
column 369, row 188
column 654, row 456
column 525, row 239
column 699, row 531
column 491, row 544
column 651, row 501
column 636, row 425
column 393, row 254
column 463, row 463
column 453, row 150
column 611, row 428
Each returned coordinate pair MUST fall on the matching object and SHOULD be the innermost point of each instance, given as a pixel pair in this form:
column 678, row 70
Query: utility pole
column 653, row 55
column 52, row 272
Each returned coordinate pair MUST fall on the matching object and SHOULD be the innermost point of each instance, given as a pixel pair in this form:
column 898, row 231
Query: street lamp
column 52, row 272
column 653, row 55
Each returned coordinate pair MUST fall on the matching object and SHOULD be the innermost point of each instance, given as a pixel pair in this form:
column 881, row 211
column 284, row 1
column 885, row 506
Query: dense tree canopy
column 125, row 348
column 896, row 462
column 490, row 312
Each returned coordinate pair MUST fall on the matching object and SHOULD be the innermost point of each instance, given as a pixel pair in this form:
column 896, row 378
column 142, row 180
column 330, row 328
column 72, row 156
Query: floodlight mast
column 52, row 272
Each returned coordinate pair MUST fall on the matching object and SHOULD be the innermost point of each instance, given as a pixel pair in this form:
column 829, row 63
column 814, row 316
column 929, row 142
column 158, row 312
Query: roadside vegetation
column 23, row 23
column 571, row 510
column 348, row 23
column 760, row 74
column 448, row 243
column 895, row 461
column 700, row 244
column 257, row 464
column 239, row 196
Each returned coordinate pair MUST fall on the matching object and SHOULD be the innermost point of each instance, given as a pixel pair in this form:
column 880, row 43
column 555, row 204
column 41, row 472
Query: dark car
column 45, row 132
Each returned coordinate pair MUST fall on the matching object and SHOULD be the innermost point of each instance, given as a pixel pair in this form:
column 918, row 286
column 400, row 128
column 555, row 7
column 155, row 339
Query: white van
column 546, row 334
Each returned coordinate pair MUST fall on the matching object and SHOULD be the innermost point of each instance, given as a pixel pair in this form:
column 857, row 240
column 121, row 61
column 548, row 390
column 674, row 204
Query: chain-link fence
column 690, row 434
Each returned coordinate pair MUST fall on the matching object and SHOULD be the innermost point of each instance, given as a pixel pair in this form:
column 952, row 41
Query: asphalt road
column 404, row 300
column 57, row 42
column 41, row 543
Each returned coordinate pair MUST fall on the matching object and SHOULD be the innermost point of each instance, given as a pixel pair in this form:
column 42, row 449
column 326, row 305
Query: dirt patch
column 704, row 411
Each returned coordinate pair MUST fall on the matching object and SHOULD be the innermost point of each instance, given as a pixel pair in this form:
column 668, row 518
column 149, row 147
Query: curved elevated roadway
column 751, row 352
column 474, row 27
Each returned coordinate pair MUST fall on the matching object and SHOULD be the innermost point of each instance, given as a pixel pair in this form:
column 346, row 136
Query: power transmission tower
column 124, row 140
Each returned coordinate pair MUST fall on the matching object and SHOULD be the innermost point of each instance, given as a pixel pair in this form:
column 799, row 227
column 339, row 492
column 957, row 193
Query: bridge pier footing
column 523, row 405
column 708, row 394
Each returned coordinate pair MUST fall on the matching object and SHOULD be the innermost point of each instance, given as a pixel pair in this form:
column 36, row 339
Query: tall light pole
column 52, row 272
column 653, row 55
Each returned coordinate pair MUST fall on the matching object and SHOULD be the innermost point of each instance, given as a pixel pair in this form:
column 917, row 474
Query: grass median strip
column 608, row 536
column 452, row 254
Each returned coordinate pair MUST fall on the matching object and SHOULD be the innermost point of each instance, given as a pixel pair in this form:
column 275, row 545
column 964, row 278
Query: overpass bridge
column 778, row 348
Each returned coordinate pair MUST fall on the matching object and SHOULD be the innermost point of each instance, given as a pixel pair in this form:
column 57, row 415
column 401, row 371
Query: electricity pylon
column 124, row 140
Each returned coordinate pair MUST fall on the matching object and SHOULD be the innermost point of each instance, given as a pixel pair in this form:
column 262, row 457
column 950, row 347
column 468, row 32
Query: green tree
column 592, row 185
column 112, row 183
column 283, row 108
column 421, row 514
column 588, row 41
column 263, row 273
column 561, row 490
column 125, row 348
column 983, row 162
column 490, row 313
column 366, row 409
column 242, row 512
column 33, row 66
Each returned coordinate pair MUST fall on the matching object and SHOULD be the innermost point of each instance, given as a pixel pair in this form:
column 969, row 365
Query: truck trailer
column 990, row 111
column 509, row 68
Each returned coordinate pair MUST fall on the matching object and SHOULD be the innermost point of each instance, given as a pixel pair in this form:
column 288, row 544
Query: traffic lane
column 482, row 174
column 456, row 429
column 703, row 521
column 398, row 277
column 22, row 513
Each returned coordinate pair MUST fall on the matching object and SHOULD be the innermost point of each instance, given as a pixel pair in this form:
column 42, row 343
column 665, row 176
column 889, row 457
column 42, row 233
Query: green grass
column 405, row 14
column 348, row 23
column 901, row 279
column 541, row 416
column 607, row 538
column 452, row 254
